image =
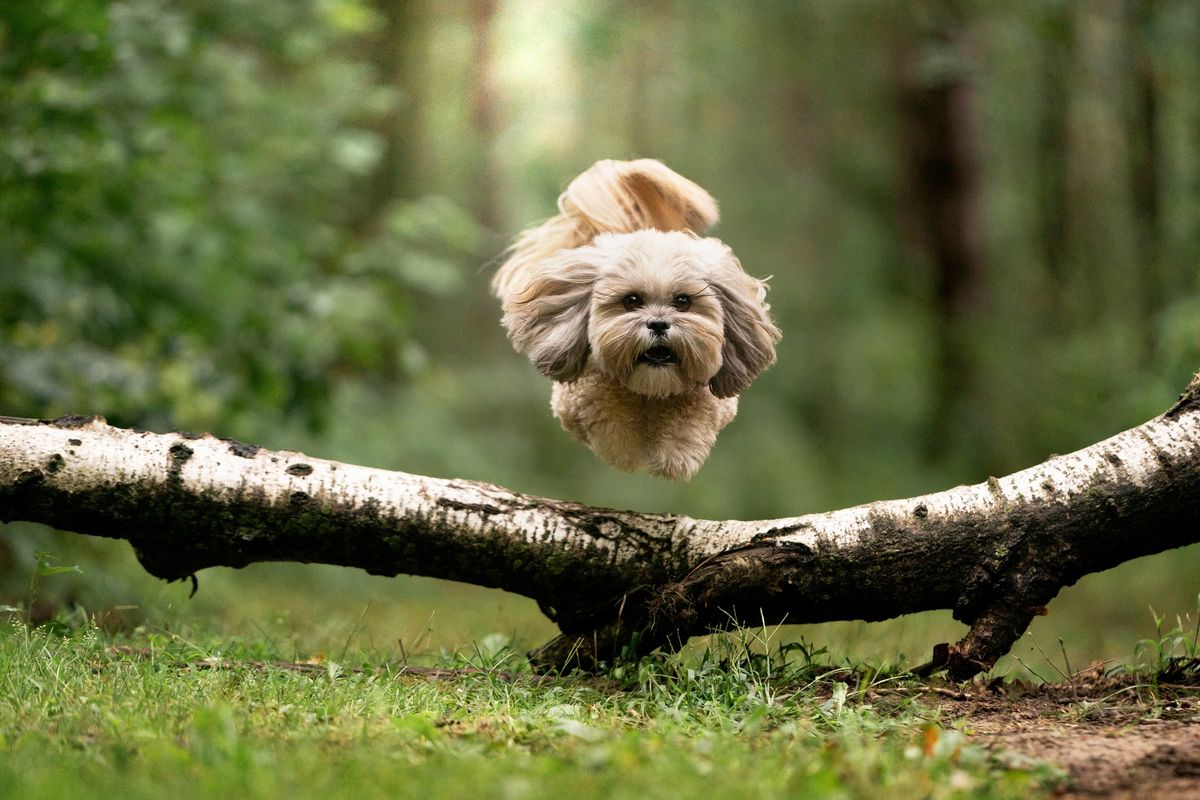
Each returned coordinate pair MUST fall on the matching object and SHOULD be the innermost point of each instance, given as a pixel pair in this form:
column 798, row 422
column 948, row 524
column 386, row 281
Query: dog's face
column 661, row 313
column 656, row 324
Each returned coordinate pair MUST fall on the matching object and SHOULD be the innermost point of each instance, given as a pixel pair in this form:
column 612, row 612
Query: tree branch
column 619, row 581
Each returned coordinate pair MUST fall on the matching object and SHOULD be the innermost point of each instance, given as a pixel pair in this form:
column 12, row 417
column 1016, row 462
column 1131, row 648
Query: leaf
column 46, row 565
column 929, row 740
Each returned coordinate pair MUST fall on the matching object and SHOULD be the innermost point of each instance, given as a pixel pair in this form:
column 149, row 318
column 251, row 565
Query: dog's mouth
column 658, row 356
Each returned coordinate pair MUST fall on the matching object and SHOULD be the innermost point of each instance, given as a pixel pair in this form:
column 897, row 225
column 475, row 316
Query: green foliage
column 180, row 240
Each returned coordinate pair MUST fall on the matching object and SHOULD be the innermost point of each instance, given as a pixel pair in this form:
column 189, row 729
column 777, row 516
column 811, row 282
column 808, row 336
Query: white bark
column 1135, row 457
column 95, row 454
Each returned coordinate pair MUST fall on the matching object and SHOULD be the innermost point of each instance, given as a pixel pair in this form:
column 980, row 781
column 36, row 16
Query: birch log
column 620, row 581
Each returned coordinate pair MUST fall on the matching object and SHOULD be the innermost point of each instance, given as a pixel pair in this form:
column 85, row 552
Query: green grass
column 152, row 693
column 187, row 714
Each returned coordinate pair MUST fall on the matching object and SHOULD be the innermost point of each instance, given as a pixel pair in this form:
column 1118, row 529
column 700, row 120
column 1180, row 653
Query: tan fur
column 626, row 231
column 670, row 437
column 610, row 197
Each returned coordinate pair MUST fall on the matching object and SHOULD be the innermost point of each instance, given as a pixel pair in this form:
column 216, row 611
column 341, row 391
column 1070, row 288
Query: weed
column 1172, row 657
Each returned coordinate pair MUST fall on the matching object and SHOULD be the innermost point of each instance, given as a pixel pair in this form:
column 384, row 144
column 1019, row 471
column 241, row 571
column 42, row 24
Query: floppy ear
column 547, row 319
column 750, row 335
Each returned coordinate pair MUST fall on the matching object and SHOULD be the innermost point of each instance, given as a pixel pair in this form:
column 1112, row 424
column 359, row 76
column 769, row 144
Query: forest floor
column 89, row 713
column 1111, row 735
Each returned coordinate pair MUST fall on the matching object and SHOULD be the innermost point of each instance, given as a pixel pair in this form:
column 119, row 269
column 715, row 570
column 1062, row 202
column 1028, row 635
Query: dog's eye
column 682, row 302
column 632, row 301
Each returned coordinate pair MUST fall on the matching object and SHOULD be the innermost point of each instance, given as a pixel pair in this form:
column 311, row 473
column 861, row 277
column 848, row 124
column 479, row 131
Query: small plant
column 1172, row 656
column 45, row 567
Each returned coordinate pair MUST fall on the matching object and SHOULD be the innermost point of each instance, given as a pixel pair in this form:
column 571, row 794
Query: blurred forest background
column 275, row 220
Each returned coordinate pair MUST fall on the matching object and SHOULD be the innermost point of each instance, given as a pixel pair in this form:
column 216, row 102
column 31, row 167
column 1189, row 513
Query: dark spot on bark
column 75, row 442
column 300, row 498
column 921, row 511
column 189, row 436
column 299, row 469
column 241, row 449
column 54, row 463
column 30, row 478
column 180, row 453
column 482, row 508
column 1113, row 459
column 781, row 530
column 76, row 421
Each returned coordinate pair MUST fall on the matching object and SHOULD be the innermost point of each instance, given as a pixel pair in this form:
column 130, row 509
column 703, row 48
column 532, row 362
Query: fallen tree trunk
column 619, row 581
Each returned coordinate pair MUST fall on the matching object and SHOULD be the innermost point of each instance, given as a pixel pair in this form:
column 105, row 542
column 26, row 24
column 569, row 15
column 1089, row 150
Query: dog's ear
column 750, row 335
column 547, row 319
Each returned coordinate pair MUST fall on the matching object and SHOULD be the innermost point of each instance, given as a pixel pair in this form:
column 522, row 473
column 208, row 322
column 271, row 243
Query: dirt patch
column 1139, row 761
column 1112, row 737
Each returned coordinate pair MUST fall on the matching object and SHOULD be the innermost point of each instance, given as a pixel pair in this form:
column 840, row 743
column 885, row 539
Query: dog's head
column 660, row 312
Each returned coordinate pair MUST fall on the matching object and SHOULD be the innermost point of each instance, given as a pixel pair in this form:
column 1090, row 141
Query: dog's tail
column 610, row 197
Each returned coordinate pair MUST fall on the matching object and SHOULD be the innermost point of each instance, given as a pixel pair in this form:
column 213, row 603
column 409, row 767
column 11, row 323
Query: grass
column 84, row 713
column 156, row 694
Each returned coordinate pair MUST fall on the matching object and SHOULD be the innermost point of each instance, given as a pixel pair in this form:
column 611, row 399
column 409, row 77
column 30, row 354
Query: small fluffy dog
column 649, row 331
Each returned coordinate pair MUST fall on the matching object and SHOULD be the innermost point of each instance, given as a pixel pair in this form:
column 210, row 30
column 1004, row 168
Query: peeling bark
column 621, row 582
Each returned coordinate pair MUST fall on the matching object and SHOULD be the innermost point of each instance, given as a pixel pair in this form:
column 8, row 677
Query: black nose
column 659, row 326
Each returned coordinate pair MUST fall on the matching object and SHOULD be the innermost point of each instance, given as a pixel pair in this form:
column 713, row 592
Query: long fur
column 629, row 230
column 610, row 197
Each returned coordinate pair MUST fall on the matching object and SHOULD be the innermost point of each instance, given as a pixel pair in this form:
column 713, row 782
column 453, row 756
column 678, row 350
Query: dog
column 649, row 331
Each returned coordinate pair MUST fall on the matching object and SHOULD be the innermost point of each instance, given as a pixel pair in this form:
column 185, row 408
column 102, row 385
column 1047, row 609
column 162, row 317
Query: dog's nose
column 659, row 326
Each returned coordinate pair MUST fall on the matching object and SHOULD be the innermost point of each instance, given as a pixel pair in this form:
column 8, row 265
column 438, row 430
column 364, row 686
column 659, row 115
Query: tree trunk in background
column 394, row 50
column 483, row 111
column 1107, row 281
column 1144, row 165
column 941, row 156
column 1051, row 157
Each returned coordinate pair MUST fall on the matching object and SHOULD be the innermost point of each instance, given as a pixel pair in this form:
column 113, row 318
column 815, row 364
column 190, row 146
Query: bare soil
column 1112, row 736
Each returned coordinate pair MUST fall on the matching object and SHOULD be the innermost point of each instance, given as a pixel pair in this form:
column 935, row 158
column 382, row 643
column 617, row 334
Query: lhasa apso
column 649, row 331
